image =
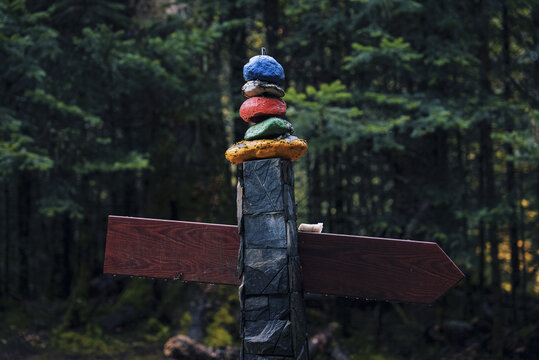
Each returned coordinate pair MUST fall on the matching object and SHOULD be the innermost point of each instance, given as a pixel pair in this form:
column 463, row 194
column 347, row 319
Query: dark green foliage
column 421, row 119
column 94, row 120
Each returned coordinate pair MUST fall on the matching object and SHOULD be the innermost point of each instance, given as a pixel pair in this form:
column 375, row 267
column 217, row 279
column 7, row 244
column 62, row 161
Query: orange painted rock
column 259, row 108
column 290, row 148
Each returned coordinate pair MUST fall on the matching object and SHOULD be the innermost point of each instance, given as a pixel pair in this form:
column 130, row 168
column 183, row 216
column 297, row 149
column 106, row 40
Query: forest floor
column 367, row 330
column 32, row 331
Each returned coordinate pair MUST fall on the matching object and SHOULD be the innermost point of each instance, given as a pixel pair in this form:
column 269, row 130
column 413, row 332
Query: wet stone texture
column 272, row 310
column 279, row 307
column 269, row 129
column 256, row 308
column 297, row 318
column 265, row 68
column 263, row 187
column 265, row 271
column 292, row 238
column 265, row 231
column 289, row 202
column 270, row 337
column 294, row 270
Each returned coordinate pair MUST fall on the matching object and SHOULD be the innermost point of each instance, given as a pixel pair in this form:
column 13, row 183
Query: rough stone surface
column 269, row 129
column 292, row 238
column 288, row 148
column 260, row 108
column 264, row 67
column 261, row 88
column 287, row 169
column 297, row 318
column 265, row 271
column 239, row 201
column 272, row 314
column 263, row 188
column 294, row 270
column 270, row 337
column 241, row 253
column 289, row 202
column 284, row 344
column 265, row 231
column 303, row 352
column 241, row 295
column 257, row 308
column 239, row 216
column 279, row 307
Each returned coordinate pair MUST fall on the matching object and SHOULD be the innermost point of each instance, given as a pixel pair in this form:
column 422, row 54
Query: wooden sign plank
column 345, row 265
column 375, row 268
column 172, row 250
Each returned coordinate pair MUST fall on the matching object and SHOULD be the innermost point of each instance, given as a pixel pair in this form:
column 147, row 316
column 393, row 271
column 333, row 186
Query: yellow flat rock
column 290, row 148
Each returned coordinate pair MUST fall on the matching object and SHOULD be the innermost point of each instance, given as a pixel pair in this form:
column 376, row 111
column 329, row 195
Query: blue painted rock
column 269, row 129
column 259, row 108
column 265, row 68
column 258, row 88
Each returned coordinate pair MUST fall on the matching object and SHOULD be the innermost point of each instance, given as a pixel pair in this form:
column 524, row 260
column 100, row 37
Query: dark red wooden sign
column 375, row 268
column 172, row 250
column 345, row 265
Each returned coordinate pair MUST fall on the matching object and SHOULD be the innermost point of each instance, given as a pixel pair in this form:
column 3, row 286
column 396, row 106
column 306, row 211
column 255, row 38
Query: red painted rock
column 258, row 108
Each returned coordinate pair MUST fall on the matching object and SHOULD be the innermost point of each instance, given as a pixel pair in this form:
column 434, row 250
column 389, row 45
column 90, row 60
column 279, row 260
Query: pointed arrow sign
column 344, row 265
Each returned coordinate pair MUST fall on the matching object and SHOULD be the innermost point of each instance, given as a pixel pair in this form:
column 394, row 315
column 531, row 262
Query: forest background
column 422, row 123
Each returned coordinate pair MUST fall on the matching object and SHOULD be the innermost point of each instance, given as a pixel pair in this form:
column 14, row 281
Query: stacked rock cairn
column 271, row 298
column 271, row 135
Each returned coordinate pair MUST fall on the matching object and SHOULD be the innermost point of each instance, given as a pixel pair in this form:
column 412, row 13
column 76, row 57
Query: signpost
column 265, row 255
column 345, row 265
column 273, row 258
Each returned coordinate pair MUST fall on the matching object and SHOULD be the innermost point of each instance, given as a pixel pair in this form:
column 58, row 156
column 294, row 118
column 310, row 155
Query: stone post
column 271, row 297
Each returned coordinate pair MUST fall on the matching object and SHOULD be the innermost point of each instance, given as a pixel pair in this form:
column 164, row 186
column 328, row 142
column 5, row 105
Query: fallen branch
column 181, row 347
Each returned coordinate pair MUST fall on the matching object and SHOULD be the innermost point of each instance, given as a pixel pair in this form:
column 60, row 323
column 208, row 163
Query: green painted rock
column 269, row 129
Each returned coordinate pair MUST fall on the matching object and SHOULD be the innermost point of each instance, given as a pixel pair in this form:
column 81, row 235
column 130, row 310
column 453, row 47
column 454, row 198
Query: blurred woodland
column 422, row 121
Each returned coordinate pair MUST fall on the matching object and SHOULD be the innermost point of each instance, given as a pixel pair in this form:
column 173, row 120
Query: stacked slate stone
column 273, row 313
column 271, row 134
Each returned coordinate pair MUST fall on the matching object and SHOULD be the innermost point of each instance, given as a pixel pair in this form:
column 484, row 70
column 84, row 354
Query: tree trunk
column 487, row 155
column 67, row 242
column 484, row 88
column 7, row 239
column 271, row 22
column 238, row 54
column 313, row 178
column 492, row 236
column 74, row 316
column 329, row 185
column 340, row 222
column 23, row 213
column 524, row 273
column 510, row 181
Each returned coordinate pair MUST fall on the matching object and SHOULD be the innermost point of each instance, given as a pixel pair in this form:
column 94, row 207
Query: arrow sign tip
column 376, row 268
